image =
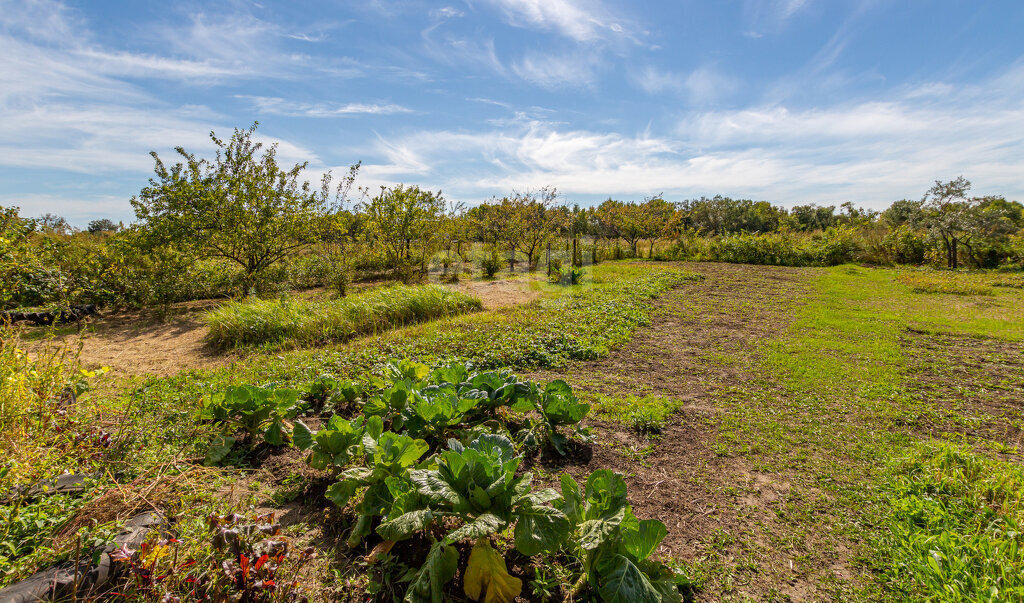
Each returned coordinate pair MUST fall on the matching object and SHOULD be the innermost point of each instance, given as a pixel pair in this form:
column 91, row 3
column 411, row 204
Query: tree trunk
column 953, row 263
column 549, row 259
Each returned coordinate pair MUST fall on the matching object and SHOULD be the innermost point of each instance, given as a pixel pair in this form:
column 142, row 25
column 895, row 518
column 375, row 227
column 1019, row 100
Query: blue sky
column 792, row 101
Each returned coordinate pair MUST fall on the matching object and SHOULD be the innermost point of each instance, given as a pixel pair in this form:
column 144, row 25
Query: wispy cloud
column 771, row 15
column 873, row 152
column 279, row 106
column 552, row 71
column 581, row 21
column 701, row 86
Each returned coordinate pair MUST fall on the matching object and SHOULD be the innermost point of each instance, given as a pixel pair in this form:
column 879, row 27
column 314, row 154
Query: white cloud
column 557, row 71
column 701, row 86
column 869, row 152
column 447, row 12
column 281, row 106
column 581, row 21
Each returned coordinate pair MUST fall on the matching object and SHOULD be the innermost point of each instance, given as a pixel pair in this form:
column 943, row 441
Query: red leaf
column 261, row 561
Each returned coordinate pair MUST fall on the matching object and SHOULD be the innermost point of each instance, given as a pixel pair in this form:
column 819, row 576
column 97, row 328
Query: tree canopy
column 241, row 205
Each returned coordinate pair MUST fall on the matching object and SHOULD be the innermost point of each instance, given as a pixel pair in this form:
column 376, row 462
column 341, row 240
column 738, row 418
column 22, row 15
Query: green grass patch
column 644, row 414
column 949, row 516
column 955, row 525
column 297, row 322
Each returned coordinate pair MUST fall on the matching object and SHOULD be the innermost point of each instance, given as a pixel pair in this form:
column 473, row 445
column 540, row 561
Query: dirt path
column 140, row 343
column 720, row 511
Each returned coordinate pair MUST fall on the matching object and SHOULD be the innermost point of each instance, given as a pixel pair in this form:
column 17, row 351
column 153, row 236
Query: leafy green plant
column 258, row 411
column 614, row 545
column 332, row 447
column 447, row 402
column 327, row 391
column 557, row 407
column 491, row 262
column 386, row 456
column 477, row 484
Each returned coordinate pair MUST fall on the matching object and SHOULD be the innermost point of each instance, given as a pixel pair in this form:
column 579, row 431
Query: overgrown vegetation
column 955, row 525
column 295, row 322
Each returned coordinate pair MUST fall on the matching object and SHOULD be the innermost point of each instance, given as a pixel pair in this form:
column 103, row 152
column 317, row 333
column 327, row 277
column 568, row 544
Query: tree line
column 240, row 222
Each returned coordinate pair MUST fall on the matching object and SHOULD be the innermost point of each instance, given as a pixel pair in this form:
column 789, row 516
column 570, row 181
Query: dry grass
column 947, row 284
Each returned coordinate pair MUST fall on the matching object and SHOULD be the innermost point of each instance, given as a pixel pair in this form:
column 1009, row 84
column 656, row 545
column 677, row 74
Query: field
column 843, row 433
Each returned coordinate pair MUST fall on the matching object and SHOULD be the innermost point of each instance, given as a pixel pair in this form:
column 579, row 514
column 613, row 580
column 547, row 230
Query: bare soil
column 146, row 342
column 974, row 387
column 703, row 343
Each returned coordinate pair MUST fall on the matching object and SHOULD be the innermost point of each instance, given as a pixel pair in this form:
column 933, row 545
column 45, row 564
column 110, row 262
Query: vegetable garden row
column 434, row 458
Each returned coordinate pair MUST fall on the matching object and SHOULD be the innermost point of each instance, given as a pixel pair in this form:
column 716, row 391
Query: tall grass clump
column 954, row 532
column 30, row 387
column 945, row 283
column 259, row 321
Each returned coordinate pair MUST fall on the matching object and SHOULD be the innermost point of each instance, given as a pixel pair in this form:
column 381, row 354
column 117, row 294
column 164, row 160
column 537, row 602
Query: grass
column 829, row 409
column 569, row 324
column 944, row 284
column 954, row 528
column 258, row 321
column 939, row 518
column 646, row 414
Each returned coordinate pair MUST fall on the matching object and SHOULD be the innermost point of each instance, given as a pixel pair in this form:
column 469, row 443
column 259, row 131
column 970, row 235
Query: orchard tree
column 240, row 206
column 657, row 221
column 406, row 222
column 624, row 221
column 536, row 218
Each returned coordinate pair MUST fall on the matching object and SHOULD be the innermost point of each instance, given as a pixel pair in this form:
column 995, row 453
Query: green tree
column 102, row 225
column 406, row 222
column 536, row 219
column 948, row 215
column 241, row 206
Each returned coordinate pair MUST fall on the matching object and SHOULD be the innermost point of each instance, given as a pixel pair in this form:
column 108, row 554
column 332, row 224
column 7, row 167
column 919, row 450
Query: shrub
column 776, row 249
column 256, row 321
column 491, row 262
column 904, row 245
column 837, row 245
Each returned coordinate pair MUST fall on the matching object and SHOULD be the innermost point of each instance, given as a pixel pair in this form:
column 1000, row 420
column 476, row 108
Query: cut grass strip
column 258, row 321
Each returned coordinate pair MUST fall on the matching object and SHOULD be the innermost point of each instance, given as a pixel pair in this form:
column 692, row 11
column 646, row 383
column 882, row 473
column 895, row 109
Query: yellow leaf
column 381, row 549
column 487, row 576
column 156, row 553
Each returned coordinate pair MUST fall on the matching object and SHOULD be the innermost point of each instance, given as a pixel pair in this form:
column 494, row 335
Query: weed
column 647, row 414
